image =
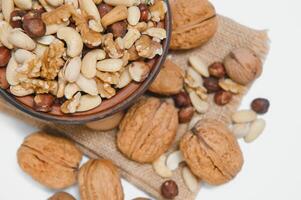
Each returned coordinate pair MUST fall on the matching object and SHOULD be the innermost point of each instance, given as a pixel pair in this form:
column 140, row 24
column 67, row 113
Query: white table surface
column 272, row 163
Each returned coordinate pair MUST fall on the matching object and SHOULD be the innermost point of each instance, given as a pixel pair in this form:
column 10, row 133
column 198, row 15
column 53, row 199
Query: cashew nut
column 53, row 28
column 46, row 40
column 90, row 61
column 7, row 8
column 87, row 85
column 110, row 65
column 90, row 8
column 40, row 50
column 20, row 40
column 70, row 90
column 24, row 4
column 160, row 167
column 20, row 91
column 73, row 40
column 11, row 72
column 72, row 69
column 88, row 102
column 22, row 56
column 5, row 30
column 61, row 84
column 74, row 2
column 55, row 3
column 118, row 13
column 123, row 2
column 131, row 37
column 45, row 5
column 125, row 78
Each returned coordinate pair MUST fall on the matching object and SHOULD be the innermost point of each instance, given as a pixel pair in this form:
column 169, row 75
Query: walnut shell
column 243, row 66
column 169, row 81
column 50, row 160
column 99, row 180
column 194, row 23
column 147, row 130
column 212, row 152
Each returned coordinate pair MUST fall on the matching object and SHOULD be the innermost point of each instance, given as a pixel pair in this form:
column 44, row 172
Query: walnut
column 89, row 36
column 52, row 60
column 148, row 48
column 109, row 77
column 105, row 90
column 212, row 152
column 31, row 68
column 147, row 130
column 59, row 15
column 243, row 66
column 194, row 23
column 40, row 86
column 169, row 81
column 101, row 176
column 111, row 47
column 50, row 160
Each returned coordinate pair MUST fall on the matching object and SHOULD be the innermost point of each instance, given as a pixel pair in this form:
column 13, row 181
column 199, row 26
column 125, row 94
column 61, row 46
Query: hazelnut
column 217, row 70
column 34, row 27
column 143, row 12
column 260, row 105
column 243, row 66
column 16, row 18
column 5, row 55
column 222, row 98
column 3, row 82
column 118, row 29
column 186, row 114
column 169, row 189
column 43, row 102
column 59, row 101
column 182, row 100
column 211, row 84
column 104, row 9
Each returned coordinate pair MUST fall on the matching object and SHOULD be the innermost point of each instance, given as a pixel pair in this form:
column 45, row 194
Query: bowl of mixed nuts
column 76, row 61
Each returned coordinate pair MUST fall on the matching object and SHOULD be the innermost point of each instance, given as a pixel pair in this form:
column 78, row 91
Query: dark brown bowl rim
column 106, row 113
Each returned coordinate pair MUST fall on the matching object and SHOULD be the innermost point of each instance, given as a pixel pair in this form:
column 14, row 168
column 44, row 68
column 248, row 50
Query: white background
column 272, row 163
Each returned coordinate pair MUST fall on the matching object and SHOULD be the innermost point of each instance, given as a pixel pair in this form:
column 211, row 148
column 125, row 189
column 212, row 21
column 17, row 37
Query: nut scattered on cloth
column 99, row 180
column 52, row 161
column 147, row 130
column 194, row 23
column 169, row 81
column 212, row 152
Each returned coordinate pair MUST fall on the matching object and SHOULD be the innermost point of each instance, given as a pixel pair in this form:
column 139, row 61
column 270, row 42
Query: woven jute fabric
column 230, row 35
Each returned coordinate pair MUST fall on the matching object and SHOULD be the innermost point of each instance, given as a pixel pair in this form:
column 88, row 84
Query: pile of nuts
column 77, row 52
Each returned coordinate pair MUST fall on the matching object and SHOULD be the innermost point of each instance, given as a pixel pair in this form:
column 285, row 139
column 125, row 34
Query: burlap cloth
column 230, row 35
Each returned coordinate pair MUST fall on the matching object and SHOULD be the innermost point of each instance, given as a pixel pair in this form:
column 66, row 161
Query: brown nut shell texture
column 212, row 152
column 147, row 130
column 194, row 23
column 99, row 180
column 169, row 81
column 50, row 160
column 243, row 66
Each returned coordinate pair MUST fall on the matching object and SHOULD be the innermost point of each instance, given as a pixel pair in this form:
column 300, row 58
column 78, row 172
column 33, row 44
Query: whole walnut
column 212, row 152
column 243, row 66
column 99, row 180
column 194, row 23
column 169, row 81
column 52, row 161
column 147, row 130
